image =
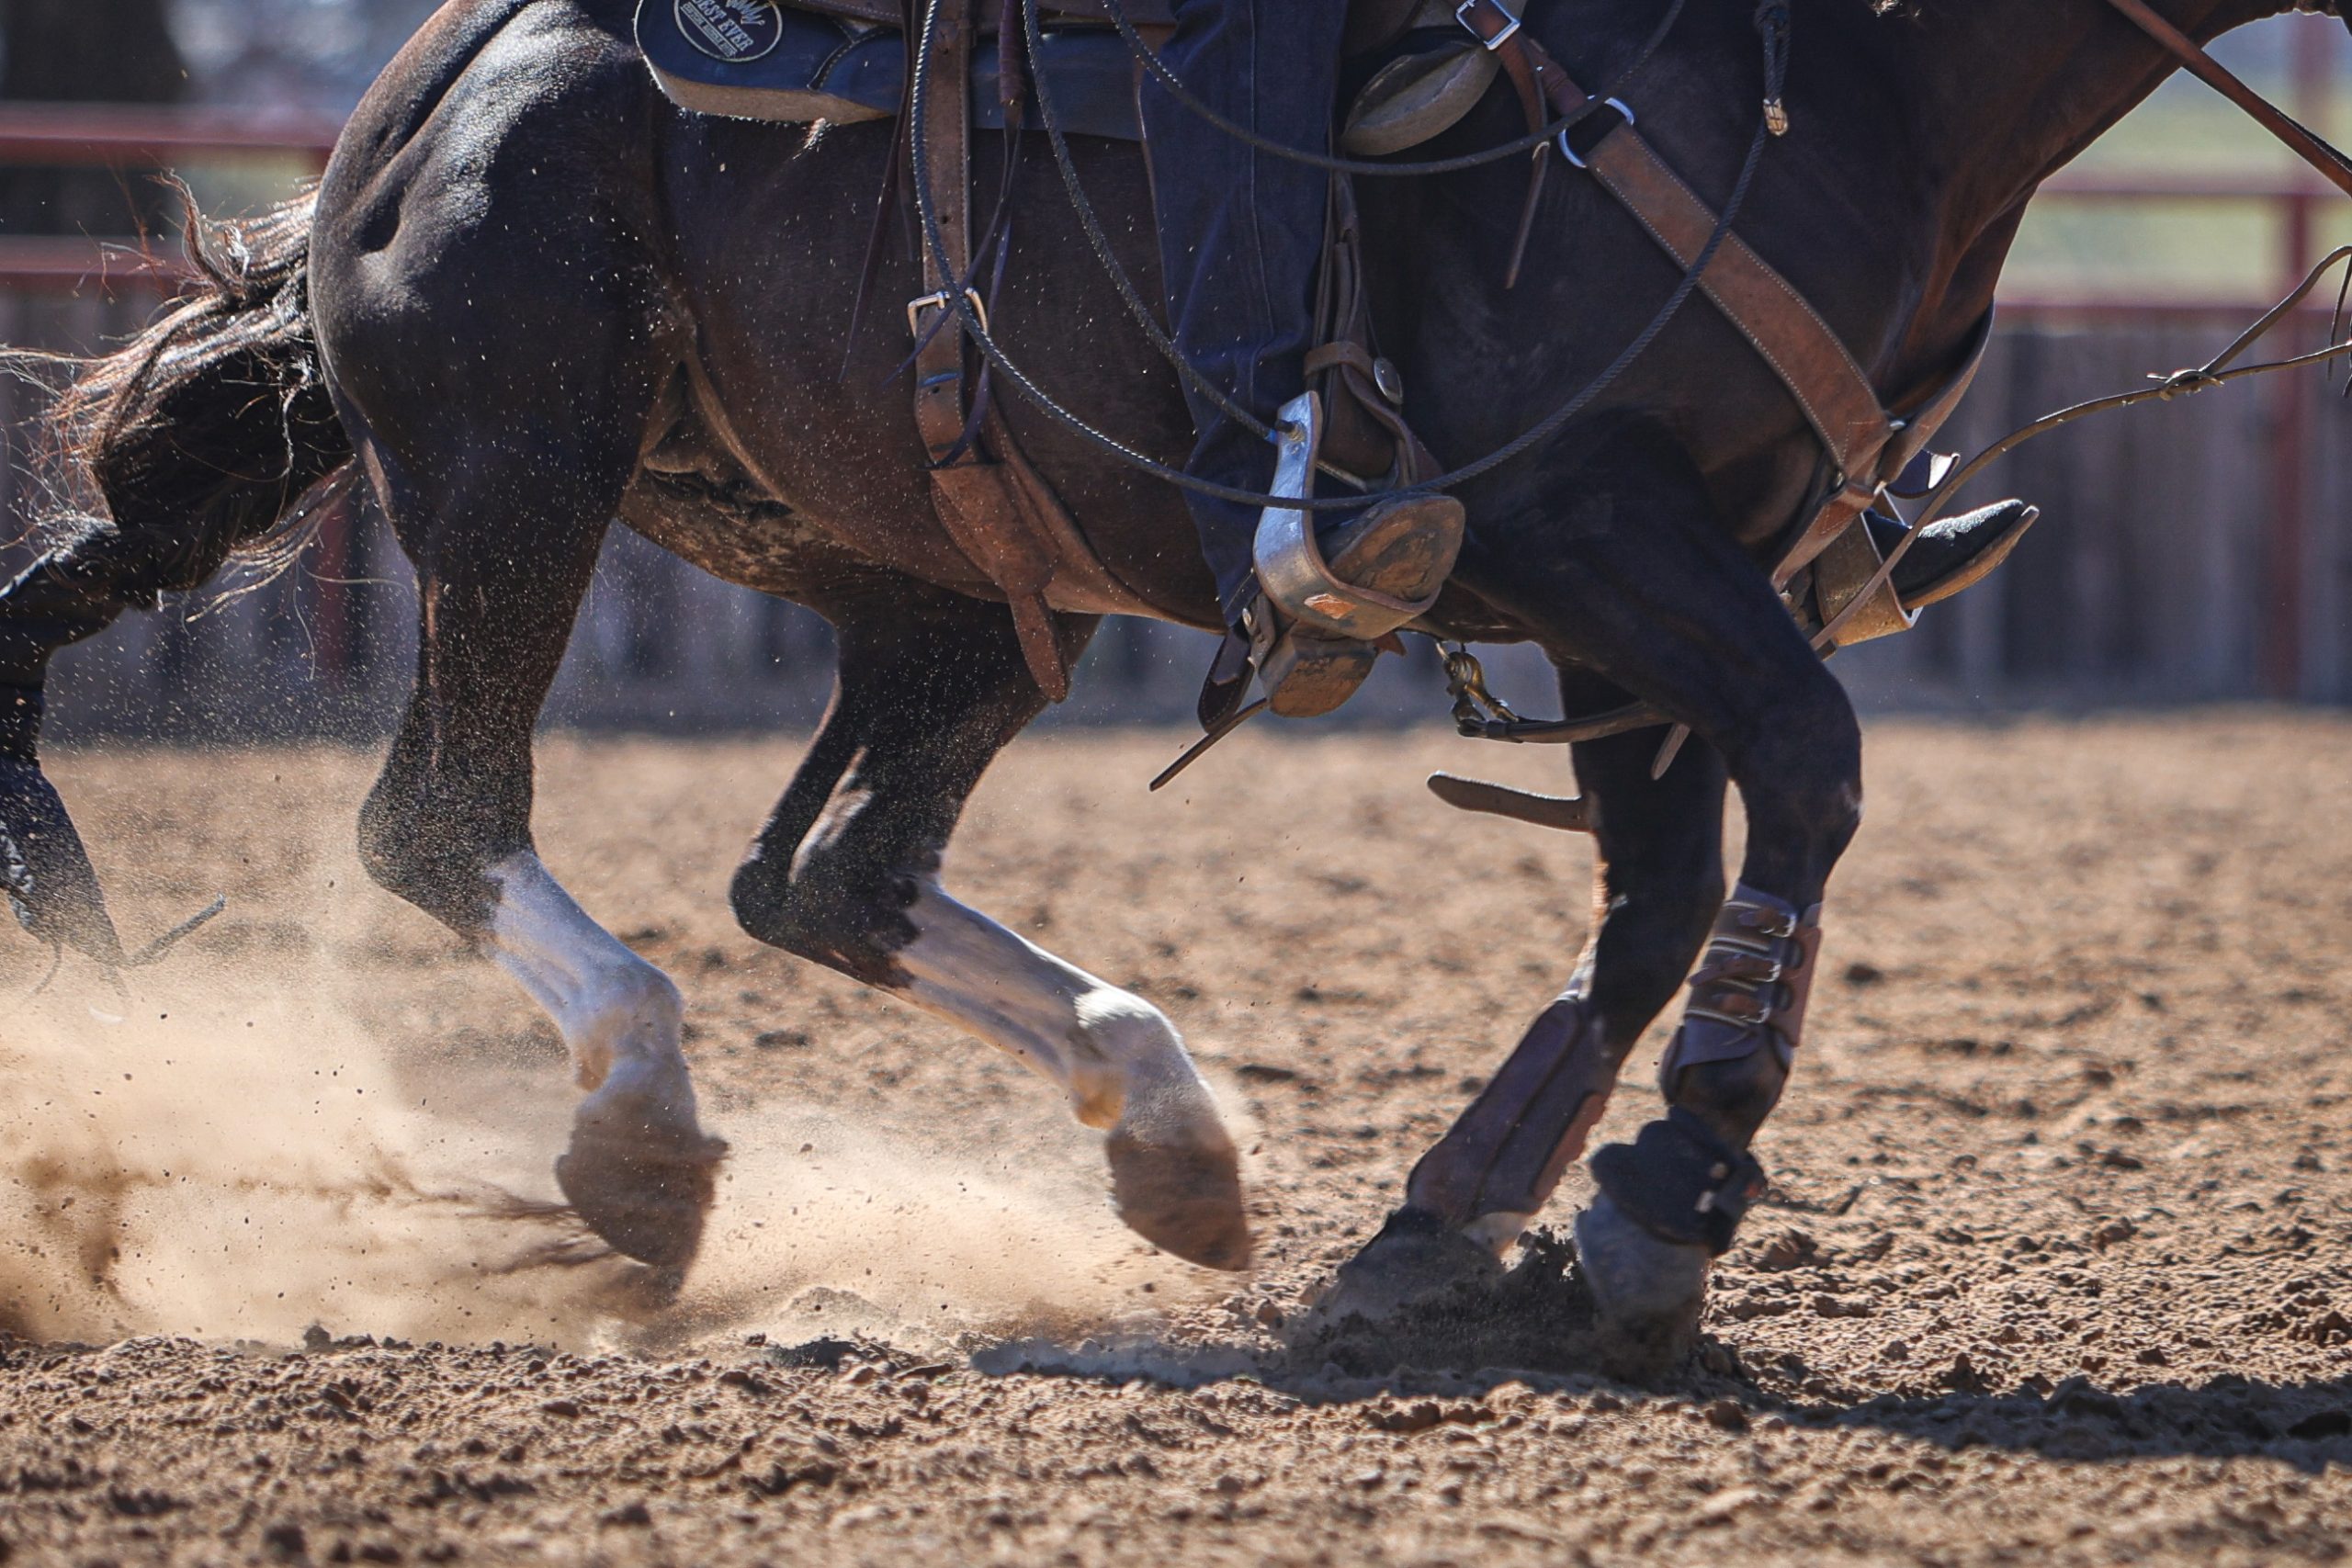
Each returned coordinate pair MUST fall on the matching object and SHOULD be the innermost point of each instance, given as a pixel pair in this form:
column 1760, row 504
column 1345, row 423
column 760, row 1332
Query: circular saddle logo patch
column 734, row 31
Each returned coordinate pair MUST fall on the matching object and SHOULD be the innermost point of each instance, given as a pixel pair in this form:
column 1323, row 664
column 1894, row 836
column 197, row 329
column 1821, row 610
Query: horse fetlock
column 628, row 1020
column 1680, row 1181
column 850, row 920
column 1121, row 1048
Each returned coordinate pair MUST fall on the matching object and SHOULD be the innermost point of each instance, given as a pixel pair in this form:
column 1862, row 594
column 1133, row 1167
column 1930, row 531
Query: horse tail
column 209, row 434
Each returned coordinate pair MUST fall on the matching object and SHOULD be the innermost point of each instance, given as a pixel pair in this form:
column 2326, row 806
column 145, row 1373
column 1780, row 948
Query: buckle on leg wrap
column 1751, row 987
column 1680, row 1183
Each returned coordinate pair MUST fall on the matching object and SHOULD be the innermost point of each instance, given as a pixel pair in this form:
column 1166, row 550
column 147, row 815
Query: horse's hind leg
column 846, row 873
column 502, row 558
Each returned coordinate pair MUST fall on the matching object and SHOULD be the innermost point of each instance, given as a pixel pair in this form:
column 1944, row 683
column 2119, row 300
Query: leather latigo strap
column 999, row 510
column 1751, row 988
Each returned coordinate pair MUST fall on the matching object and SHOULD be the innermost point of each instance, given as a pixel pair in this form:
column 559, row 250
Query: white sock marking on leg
column 619, row 1016
column 1115, row 1055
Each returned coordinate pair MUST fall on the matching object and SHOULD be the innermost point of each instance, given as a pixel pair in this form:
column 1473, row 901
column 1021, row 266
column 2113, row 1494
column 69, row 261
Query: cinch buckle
column 1462, row 15
column 1570, row 153
column 915, row 308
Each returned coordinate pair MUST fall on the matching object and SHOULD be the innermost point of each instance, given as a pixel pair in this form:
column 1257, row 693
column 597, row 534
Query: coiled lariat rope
column 1771, row 24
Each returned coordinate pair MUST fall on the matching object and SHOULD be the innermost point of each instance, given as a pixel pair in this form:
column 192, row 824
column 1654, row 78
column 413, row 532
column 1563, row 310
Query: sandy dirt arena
column 2055, row 1269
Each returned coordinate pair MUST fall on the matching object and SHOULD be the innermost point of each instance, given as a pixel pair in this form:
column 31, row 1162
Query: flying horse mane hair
column 158, row 473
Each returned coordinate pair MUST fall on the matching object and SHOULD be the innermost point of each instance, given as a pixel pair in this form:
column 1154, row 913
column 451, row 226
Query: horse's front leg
column 1639, row 584
column 1658, row 882
column 846, row 873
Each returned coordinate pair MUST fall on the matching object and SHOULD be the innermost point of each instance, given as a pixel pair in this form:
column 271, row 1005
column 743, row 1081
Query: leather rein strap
column 2306, row 146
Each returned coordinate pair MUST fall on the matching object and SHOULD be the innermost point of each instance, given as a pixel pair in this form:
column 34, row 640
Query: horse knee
column 423, row 857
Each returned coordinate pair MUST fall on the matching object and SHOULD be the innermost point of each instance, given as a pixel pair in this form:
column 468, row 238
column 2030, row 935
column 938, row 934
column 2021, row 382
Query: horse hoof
column 1648, row 1291
column 1415, row 1259
column 644, row 1188
column 1182, row 1198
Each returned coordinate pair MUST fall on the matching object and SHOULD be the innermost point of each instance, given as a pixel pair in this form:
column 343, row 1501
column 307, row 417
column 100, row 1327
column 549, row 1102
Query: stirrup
column 1292, row 573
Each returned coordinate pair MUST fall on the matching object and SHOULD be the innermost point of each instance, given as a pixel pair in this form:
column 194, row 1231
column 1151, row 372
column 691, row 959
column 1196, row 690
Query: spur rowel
column 49, row 882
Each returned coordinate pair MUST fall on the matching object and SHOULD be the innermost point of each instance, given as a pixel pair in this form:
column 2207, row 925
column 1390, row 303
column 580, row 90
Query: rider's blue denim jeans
column 1241, row 234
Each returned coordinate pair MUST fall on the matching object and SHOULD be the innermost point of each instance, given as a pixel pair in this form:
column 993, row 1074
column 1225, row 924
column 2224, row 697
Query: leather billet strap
column 992, row 509
column 1809, row 358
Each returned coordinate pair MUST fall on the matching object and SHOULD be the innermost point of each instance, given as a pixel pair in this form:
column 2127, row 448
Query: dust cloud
column 232, row 1153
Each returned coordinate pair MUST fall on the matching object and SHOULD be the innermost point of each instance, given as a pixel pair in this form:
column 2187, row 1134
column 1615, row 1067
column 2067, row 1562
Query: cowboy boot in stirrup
column 1318, row 621
column 1403, row 547
column 1952, row 555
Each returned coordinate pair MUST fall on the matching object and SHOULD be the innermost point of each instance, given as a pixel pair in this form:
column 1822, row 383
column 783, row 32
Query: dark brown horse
column 531, row 296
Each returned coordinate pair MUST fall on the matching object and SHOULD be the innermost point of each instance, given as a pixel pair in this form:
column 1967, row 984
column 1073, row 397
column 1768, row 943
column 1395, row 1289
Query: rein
column 1477, row 712
column 2310, row 148
column 1478, row 715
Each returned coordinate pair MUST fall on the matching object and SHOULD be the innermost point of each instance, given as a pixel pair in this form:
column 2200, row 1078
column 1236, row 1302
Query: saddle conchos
column 1430, row 62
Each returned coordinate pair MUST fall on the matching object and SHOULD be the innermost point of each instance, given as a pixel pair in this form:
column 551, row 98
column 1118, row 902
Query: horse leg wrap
column 1750, row 992
column 1680, row 1183
column 1494, row 1170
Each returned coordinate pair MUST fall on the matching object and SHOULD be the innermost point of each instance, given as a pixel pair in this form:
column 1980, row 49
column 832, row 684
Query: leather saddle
column 846, row 60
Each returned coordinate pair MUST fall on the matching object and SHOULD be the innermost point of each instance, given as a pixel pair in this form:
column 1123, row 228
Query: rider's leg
column 1241, row 234
column 1241, row 239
